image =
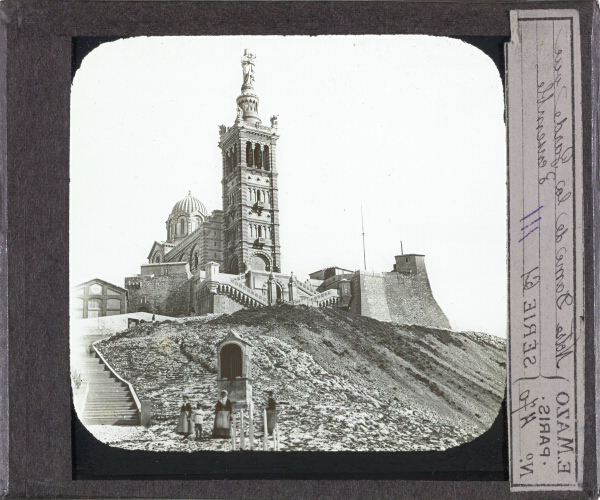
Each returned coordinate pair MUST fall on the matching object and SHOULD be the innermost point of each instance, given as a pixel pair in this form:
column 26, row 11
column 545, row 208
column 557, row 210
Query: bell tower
column 250, row 193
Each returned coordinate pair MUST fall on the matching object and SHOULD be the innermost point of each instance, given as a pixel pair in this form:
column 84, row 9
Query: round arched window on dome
column 181, row 226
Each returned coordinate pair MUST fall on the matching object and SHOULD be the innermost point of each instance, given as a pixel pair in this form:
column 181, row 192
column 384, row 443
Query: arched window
column 182, row 226
column 233, row 265
column 266, row 161
column 249, row 155
column 257, row 156
column 234, row 157
column 227, row 162
column 260, row 233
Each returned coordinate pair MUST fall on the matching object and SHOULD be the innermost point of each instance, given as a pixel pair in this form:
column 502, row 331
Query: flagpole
column 363, row 238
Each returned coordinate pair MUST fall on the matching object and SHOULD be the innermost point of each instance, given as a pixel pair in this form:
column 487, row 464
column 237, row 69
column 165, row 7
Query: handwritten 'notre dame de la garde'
column 231, row 258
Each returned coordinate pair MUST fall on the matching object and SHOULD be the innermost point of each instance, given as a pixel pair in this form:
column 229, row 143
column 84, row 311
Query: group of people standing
column 191, row 420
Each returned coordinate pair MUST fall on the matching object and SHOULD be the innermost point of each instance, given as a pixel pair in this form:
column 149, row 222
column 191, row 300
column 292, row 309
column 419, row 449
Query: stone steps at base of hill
column 95, row 405
column 109, row 400
column 99, row 403
column 110, row 421
column 116, row 413
column 108, row 383
column 103, row 392
column 105, row 398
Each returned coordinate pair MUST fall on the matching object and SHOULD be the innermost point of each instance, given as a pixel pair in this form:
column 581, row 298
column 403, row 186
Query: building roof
column 188, row 205
column 98, row 280
column 159, row 244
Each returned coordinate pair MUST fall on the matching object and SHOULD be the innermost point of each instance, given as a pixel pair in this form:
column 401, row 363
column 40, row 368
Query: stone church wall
column 167, row 295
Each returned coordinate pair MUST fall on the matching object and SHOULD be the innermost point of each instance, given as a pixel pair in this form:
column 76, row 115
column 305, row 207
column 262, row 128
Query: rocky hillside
column 352, row 383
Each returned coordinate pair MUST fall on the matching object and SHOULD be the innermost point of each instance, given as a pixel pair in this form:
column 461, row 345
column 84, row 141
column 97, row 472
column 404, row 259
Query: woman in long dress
column 222, row 425
column 183, row 426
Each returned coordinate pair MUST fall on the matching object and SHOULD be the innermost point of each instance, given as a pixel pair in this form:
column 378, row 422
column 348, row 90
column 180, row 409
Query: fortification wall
column 397, row 297
column 411, row 301
column 374, row 303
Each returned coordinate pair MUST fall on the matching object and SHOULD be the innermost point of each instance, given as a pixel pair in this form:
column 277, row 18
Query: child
column 198, row 421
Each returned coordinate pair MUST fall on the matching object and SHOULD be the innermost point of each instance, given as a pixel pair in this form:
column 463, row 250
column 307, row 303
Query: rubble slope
column 352, row 383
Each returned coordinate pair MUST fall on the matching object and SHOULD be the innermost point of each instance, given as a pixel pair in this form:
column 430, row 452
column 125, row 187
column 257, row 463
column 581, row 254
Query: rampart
column 403, row 298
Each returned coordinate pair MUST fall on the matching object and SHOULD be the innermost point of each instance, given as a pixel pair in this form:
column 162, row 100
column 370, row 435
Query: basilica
column 231, row 258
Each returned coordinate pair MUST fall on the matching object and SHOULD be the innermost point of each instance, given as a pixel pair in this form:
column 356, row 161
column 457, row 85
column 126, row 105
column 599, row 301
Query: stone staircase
column 237, row 291
column 242, row 294
column 305, row 287
column 109, row 400
column 328, row 298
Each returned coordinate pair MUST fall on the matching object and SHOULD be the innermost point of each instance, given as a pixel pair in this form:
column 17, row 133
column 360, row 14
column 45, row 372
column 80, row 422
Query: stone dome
column 188, row 205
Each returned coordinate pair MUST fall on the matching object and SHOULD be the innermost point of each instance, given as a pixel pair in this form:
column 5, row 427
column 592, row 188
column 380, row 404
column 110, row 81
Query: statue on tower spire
column 247, row 101
column 248, row 69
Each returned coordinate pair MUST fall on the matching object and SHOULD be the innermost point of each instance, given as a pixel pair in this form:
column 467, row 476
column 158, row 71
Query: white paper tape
column 546, row 341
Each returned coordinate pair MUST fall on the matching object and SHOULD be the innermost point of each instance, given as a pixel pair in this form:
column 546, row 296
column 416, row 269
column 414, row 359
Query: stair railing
column 305, row 288
column 322, row 299
column 243, row 289
column 138, row 405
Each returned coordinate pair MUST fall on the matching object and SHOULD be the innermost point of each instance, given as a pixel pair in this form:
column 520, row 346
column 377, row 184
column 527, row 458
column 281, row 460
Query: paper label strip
column 546, row 330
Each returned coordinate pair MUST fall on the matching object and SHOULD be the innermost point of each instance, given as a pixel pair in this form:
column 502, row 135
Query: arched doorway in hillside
column 231, row 361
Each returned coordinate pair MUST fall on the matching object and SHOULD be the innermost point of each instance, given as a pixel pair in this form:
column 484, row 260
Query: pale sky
column 409, row 127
